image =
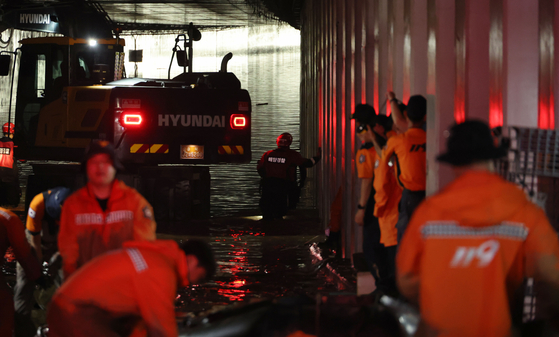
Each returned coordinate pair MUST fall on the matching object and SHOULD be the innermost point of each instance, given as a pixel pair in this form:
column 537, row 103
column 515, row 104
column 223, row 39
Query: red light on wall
column 238, row 121
column 131, row 119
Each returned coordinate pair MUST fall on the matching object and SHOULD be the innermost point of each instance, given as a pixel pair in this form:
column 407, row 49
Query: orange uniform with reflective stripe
column 409, row 150
column 87, row 231
column 469, row 248
column 139, row 280
column 387, row 198
column 366, row 159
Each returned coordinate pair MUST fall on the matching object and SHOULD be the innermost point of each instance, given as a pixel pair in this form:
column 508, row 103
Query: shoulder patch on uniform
column 148, row 214
column 362, row 159
column 377, row 162
column 31, row 213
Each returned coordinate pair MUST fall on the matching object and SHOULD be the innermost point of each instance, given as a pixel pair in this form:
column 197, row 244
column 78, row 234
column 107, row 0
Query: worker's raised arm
column 397, row 115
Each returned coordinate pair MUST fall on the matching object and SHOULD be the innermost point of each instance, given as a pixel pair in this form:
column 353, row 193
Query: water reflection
column 258, row 260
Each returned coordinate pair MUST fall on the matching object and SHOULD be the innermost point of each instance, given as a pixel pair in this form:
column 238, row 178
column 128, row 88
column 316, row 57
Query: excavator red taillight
column 131, row 119
column 238, row 121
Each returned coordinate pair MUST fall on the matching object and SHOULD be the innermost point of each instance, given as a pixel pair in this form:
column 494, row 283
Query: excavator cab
column 49, row 68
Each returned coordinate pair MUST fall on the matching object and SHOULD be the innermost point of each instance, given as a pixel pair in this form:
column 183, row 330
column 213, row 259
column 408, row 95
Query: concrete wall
column 491, row 60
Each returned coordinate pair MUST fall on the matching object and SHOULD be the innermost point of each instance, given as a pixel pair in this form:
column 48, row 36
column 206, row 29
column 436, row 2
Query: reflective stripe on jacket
column 469, row 247
column 86, row 231
column 139, row 280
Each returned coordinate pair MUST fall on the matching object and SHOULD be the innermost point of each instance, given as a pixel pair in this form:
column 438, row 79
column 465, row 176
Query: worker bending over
column 468, row 248
column 43, row 218
column 129, row 290
column 102, row 215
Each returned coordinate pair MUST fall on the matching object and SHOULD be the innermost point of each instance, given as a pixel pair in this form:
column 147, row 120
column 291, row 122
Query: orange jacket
column 139, row 280
column 86, row 231
column 409, row 150
column 12, row 233
column 366, row 159
column 467, row 249
column 387, row 198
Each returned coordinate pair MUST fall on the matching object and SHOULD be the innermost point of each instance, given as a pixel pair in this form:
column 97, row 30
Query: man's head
column 365, row 118
column 416, row 109
column 284, row 140
column 53, row 205
column 200, row 259
column 471, row 143
column 383, row 125
column 101, row 163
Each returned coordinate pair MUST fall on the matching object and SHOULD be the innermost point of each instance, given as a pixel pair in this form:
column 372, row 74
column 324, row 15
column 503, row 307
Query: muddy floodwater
column 260, row 260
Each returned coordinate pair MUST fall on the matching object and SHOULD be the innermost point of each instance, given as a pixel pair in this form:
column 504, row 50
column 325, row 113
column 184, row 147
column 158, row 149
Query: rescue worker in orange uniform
column 102, row 215
column 468, row 248
column 366, row 161
column 129, row 290
column 387, row 198
column 42, row 223
column 12, row 233
column 408, row 150
column 10, row 191
column 278, row 169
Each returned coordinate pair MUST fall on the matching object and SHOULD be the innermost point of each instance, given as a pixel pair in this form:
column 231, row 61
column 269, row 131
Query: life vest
column 6, row 153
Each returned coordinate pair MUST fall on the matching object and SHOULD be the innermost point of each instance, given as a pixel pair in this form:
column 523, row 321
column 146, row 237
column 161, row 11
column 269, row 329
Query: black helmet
column 284, row 140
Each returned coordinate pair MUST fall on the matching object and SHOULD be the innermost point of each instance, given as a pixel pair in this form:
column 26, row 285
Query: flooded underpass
column 258, row 261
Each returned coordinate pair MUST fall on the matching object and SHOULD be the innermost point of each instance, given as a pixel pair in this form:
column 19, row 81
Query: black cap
column 417, row 108
column 471, row 142
column 102, row 146
column 364, row 114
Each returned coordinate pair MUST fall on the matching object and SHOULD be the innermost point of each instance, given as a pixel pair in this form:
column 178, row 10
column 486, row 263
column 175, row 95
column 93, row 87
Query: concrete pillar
column 546, row 106
column 370, row 24
column 398, row 48
column 477, row 59
column 440, row 105
column 384, row 76
column 521, row 61
column 556, row 63
column 418, row 49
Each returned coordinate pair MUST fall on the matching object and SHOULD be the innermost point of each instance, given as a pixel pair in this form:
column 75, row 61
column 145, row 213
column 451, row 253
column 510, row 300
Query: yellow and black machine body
column 71, row 91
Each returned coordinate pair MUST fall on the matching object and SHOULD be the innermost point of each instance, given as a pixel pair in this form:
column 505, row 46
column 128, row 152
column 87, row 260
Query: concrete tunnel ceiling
column 152, row 16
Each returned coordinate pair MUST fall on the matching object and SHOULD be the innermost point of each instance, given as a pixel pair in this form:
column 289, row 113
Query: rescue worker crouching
column 12, row 234
column 468, row 248
column 278, row 169
column 10, row 192
column 102, row 215
column 129, row 291
column 42, row 223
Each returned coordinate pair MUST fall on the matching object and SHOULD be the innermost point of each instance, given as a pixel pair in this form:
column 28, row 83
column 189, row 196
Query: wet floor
column 256, row 260
column 259, row 260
